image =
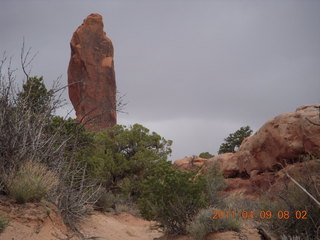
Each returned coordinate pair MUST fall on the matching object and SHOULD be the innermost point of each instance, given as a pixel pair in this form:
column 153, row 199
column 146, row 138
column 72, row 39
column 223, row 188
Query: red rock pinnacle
column 91, row 77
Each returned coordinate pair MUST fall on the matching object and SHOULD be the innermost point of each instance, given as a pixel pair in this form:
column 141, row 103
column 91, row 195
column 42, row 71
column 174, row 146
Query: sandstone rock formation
column 91, row 76
column 262, row 159
column 277, row 147
column 189, row 163
column 278, row 142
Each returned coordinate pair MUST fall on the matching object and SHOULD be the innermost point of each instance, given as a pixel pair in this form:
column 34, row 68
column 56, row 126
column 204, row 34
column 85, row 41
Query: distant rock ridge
column 278, row 144
column 91, row 76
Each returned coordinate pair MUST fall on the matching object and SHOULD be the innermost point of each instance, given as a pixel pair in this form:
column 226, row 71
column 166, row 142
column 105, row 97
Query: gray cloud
column 193, row 71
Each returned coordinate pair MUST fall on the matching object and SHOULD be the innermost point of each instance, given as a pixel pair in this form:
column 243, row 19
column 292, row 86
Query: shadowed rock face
column 91, row 77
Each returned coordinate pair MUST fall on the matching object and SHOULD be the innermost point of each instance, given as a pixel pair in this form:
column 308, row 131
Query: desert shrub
column 4, row 221
column 206, row 155
column 106, row 201
column 203, row 224
column 238, row 203
column 30, row 130
column 123, row 156
column 77, row 192
column 31, row 182
column 215, row 184
column 292, row 199
column 172, row 197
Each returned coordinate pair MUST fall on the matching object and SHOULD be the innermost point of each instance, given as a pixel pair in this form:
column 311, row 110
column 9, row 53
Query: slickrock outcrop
column 91, row 76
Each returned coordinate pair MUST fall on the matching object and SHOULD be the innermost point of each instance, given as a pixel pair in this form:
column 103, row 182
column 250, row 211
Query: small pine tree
column 35, row 95
column 234, row 140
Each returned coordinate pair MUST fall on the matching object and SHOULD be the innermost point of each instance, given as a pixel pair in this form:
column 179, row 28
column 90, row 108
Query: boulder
column 278, row 142
column 278, row 146
column 281, row 141
column 227, row 163
column 91, row 76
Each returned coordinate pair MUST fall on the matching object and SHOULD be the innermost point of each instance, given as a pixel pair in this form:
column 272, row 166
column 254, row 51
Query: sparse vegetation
column 215, row 184
column 83, row 161
column 30, row 133
column 31, row 182
column 299, row 214
column 203, row 224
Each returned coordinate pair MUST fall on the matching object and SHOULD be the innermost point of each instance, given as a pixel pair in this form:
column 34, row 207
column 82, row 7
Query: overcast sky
column 192, row 71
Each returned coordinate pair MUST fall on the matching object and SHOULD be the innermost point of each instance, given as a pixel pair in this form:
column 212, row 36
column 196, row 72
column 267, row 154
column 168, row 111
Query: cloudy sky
column 191, row 70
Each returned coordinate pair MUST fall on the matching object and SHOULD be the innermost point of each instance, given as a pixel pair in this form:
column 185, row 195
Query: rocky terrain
column 91, row 76
column 281, row 145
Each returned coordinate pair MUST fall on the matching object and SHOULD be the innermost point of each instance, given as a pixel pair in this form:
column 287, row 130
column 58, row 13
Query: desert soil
column 41, row 221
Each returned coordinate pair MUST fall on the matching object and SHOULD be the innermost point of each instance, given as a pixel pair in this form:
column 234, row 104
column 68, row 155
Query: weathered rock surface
column 277, row 146
column 271, row 182
column 91, row 76
column 189, row 163
column 278, row 142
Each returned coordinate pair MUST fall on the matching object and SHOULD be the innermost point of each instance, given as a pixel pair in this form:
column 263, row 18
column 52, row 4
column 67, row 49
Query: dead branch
column 25, row 59
column 303, row 189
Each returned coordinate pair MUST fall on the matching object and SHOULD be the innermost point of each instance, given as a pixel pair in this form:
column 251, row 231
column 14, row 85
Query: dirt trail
column 118, row 227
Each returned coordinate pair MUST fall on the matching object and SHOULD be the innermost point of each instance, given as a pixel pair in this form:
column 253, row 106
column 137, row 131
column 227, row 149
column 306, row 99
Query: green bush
column 203, row 224
column 206, row 155
column 31, row 182
column 3, row 223
column 106, row 201
column 123, row 156
column 172, row 197
column 215, row 185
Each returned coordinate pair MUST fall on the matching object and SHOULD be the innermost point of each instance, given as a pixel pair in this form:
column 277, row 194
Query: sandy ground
column 42, row 221
column 123, row 226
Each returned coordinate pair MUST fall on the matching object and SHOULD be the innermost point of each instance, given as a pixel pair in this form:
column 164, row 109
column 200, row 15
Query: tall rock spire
column 91, row 77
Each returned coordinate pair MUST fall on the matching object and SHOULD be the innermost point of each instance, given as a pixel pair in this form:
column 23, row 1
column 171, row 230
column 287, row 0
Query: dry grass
column 31, row 182
column 203, row 224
